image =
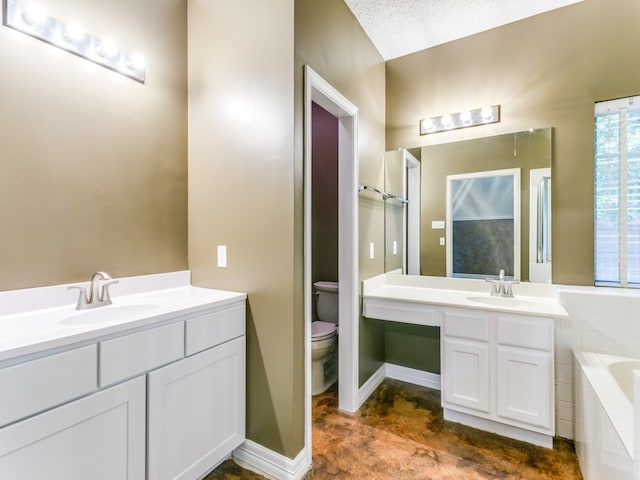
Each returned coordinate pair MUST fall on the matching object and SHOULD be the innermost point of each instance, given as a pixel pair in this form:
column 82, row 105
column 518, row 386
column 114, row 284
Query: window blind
column 617, row 192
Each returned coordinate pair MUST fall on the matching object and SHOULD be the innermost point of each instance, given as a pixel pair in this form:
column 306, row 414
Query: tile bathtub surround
column 601, row 319
column 399, row 434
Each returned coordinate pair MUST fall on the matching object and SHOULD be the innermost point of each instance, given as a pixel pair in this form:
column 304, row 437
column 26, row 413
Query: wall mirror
column 528, row 151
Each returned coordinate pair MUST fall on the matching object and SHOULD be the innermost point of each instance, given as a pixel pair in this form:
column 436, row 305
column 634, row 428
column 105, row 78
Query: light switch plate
column 222, row 256
column 441, row 240
column 437, row 225
column 371, row 251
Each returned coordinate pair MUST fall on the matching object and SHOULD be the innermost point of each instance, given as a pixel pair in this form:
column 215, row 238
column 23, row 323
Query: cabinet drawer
column 131, row 355
column 466, row 325
column 41, row 384
column 214, row 328
column 525, row 332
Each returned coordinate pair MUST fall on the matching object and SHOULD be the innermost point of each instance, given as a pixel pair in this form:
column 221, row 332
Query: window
column 617, row 192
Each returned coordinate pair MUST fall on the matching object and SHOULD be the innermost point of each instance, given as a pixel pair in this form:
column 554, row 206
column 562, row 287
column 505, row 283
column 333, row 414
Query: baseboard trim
column 255, row 457
column 411, row 375
column 371, row 384
column 540, row 439
column 397, row 372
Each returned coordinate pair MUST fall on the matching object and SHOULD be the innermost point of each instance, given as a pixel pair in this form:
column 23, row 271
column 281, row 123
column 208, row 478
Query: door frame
column 411, row 183
column 318, row 90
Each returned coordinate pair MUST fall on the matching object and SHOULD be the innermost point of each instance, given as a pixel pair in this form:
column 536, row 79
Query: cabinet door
column 524, row 387
column 99, row 437
column 196, row 412
column 465, row 375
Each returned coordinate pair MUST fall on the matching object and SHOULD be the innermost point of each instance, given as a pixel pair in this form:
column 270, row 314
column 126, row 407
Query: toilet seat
column 322, row 330
column 327, row 286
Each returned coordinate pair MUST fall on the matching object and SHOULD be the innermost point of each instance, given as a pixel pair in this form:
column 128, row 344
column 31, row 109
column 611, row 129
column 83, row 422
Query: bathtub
column 604, row 415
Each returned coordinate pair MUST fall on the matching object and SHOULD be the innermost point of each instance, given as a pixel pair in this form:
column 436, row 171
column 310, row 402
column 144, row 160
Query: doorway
column 320, row 92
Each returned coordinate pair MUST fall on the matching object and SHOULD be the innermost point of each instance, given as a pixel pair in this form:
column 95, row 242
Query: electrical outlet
column 442, row 241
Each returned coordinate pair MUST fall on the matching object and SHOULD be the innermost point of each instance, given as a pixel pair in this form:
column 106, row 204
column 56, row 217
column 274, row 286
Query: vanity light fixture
column 464, row 119
column 32, row 19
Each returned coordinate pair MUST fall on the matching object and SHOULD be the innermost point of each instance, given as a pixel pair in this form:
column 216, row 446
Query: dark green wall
column 413, row 346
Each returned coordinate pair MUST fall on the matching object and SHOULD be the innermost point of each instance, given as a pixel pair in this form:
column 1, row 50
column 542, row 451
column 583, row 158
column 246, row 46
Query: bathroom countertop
column 537, row 300
column 30, row 332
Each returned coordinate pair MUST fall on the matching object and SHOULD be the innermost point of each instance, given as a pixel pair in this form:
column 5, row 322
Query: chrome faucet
column 98, row 291
column 501, row 287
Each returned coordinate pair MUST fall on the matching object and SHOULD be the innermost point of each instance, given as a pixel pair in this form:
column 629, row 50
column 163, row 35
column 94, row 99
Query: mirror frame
column 514, row 173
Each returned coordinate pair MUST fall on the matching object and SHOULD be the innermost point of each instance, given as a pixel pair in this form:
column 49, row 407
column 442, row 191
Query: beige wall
column 545, row 71
column 94, row 165
column 241, row 194
column 330, row 40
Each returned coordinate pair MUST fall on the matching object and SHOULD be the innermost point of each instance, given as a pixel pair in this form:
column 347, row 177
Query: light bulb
column 465, row 116
column 447, row 121
column 486, row 113
column 34, row 15
column 107, row 48
column 427, row 124
column 137, row 61
column 73, row 32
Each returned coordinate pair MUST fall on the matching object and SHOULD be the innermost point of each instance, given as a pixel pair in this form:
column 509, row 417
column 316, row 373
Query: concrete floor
column 399, row 434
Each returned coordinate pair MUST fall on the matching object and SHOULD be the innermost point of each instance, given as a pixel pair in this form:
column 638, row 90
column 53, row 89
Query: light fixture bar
column 31, row 19
column 467, row 118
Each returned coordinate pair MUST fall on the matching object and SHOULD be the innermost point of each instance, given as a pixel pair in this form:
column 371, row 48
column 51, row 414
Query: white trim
column 508, row 431
column 623, row 270
column 412, row 213
column 397, row 372
column 538, row 272
column 255, row 457
column 371, row 384
column 515, row 172
column 416, row 377
column 608, row 106
column 317, row 90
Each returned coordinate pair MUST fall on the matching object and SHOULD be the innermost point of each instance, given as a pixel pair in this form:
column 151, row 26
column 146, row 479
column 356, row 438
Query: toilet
column 324, row 337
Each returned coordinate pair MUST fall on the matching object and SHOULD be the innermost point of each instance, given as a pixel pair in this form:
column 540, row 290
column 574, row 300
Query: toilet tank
column 327, row 301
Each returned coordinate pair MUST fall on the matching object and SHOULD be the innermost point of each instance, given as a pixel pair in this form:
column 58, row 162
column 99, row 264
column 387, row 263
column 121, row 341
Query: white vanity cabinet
column 497, row 373
column 162, row 401
column 497, row 353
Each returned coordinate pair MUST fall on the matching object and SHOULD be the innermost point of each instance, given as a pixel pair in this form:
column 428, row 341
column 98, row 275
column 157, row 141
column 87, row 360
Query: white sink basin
column 110, row 313
column 502, row 301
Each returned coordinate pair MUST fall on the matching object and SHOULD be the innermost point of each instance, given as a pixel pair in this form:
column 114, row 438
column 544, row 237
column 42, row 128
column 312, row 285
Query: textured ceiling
column 400, row 27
